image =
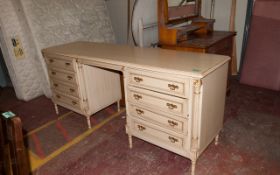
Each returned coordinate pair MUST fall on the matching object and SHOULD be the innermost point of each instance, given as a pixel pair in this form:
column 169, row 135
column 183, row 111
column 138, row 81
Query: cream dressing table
column 177, row 105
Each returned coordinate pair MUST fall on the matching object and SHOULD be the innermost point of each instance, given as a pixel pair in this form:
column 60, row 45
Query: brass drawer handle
column 172, row 123
column 69, row 77
column 141, row 128
column 72, row 90
column 58, row 96
column 171, row 106
column 54, row 73
column 139, row 111
column 74, row 103
column 67, row 64
column 55, row 85
column 51, row 60
column 137, row 97
column 173, row 87
column 172, row 139
column 138, row 79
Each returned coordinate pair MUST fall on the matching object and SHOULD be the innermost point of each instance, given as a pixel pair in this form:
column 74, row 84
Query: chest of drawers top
column 168, row 61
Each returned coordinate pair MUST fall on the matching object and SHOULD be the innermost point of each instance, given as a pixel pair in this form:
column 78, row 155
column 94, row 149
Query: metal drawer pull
column 137, row 97
column 139, row 111
column 55, row 85
column 72, row 90
column 141, row 128
column 172, row 123
column 69, row 77
column 171, row 106
column 67, row 64
column 138, row 79
column 54, row 73
column 51, row 60
column 74, row 103
column 173, row 87
column 58, row 96
column 172, row 139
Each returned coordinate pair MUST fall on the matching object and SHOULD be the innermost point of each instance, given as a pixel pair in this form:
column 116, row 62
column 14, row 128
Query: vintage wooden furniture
column 14, row 158
column 182, row 28
column 97, row 92
column 178, row 105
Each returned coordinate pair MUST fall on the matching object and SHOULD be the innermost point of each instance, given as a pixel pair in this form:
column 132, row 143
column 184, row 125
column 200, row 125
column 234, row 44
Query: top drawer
column 66, row 64
column 158, row 82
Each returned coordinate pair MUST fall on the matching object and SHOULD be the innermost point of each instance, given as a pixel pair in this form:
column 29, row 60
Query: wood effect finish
column 14, row 157
column 178, row 105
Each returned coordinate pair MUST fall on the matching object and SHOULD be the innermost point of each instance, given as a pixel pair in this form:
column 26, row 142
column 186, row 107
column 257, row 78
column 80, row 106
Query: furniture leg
column 130, row 140
column 193, row 167
column 88, row 122
column 217, row 139
column 56, row 109
column 118, row 104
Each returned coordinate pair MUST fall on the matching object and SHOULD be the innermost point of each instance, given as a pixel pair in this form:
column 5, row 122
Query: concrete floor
column 249, row 142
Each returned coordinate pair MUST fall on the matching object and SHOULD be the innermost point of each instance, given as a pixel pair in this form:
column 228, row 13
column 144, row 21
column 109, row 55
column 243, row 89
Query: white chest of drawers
column 174, row 100
column 72, row 89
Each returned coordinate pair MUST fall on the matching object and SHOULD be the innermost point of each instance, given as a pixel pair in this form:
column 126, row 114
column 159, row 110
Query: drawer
column 158, row 119
column 156, row 101
column 158, row 82
column 64, row 99
column 141, row 128
column 223, row 47
column 65, row 88
column 64, row 64
column 64, row 76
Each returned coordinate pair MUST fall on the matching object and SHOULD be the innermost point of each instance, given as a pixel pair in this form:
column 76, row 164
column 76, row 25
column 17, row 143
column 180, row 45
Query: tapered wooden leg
column 119, row 107
column 193, row 167
column 130, row 141
column 217, row 139
column 88, row 122
column 56, row 109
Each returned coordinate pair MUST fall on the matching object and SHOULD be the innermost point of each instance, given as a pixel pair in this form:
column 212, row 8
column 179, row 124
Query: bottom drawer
column 70, row 101
column 163, row 137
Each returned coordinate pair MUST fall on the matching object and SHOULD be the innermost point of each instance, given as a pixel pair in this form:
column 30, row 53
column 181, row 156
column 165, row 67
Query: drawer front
column 63, row 88
column 157, row 82
column 156, row 101
column 143, row 129
column 223, row 47
column 70, row 101
column 60, row 63
column 158, row 119
column 67, row 77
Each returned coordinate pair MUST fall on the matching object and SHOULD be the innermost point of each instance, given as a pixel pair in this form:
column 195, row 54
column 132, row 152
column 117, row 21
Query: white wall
column 118, row 14
column 222, row 16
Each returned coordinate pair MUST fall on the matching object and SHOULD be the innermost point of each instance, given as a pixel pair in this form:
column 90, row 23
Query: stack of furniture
column 181, row 27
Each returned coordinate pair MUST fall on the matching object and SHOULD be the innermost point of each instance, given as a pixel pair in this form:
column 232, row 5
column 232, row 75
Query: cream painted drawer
column 65, row 88
column 142, row 128
column 158, row 119
column 156, row 101
column 159, row 82
column 66, row 64
column 68, row 77
column 64, row 99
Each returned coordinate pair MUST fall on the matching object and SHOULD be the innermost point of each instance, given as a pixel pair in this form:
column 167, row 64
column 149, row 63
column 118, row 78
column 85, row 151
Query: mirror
column 182, row 9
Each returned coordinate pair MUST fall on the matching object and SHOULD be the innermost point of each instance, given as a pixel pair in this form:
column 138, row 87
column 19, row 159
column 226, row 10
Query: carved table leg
column 88, row 122
column 118, row 103
column 217, row 139
column 56, row 109
column 130, row 141
column 193, row 167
